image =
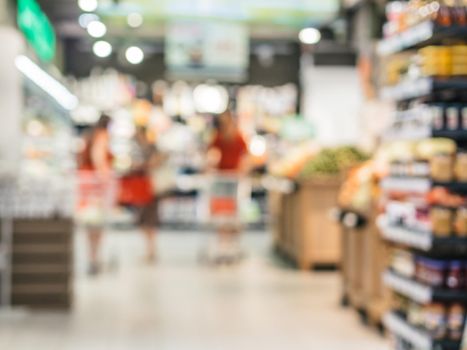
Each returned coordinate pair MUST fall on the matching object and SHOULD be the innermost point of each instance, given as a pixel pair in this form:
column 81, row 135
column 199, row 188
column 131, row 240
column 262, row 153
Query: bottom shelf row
column 412, row 338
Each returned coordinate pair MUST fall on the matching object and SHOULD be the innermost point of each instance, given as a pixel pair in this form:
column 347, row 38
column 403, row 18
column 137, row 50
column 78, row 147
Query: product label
column 452, row 118
column 464, row 118
column 437, row 117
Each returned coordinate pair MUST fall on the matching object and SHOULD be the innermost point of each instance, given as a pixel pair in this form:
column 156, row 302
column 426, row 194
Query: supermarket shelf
column 406, row 184
column 456, row 135
column 421, row 87
column 40, row 289
column 423, row 34
column 419, row 292
column 419, row 185
column 456, row 187
column 424, row 133
column 418, row 338
column 408, row 89
column 423, row 241
column 410, row 135
column 409, row 288
column 40, row 269
column 414, row 239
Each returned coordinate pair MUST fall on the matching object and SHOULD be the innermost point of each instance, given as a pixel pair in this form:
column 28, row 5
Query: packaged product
column 442, row 167
column 464, row 117
column 427, row 149
column 455, row 275
column 460, row 169
column 460, row 224
column 421, row 169
column 435, row 321
column 403, row 263
column 437, row 117
column 452, row 117
column 441, row 221
column 455, row 321
column 431, row 272
column 416, row 315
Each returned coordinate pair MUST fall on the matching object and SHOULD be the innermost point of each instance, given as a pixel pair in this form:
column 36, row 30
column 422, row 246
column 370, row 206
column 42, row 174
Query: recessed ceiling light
column 135, row 19
column 102, row 49
column 88, row 5
column 86, row 18
column 97, row 29
column 134, row 55
column 309, row 36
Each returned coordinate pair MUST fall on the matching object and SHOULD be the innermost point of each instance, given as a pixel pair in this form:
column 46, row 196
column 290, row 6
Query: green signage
column 37, row 29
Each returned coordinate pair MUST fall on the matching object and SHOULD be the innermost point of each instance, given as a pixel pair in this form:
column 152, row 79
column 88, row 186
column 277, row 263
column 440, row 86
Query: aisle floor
column 181, row 305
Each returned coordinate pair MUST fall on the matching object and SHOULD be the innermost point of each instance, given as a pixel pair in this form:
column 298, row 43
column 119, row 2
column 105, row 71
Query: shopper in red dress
column 95, row 174
column 137, row 190
column 228, row 150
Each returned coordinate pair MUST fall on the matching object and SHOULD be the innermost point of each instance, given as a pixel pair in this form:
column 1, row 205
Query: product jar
column 441, row 221
column 435, row 321
column 460, row 168
column 455, row 321
column 455, row 278
column 461, row 222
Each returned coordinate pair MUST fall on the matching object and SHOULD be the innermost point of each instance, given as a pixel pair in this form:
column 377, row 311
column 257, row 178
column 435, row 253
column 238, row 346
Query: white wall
column 10, row 101
column 332, row 101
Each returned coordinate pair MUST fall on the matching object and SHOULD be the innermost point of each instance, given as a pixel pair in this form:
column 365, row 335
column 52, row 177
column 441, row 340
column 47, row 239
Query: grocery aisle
column 178, row 304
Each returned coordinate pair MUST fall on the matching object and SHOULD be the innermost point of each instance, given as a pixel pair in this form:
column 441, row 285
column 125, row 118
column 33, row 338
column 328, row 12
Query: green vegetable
column 332, row 161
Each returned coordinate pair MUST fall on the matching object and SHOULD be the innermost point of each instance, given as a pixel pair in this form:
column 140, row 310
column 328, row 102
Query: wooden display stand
column 42, row 263
column 304, row 230
column 365, row 256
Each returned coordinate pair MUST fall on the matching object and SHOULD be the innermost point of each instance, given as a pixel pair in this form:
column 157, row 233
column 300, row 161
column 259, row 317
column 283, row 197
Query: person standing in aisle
column 137, row 190
column 227, row 156
column 228, row 151
column 96, row 184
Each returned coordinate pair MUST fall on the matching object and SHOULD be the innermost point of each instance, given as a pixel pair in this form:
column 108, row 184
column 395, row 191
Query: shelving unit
column 37, row 206
column 425, row 132
column 419, row 185
column 421, row 87
column 5, row 262
column 422, row 241
column 412, row 123
column 420, row 339
column 419, row 292
column 423, row 34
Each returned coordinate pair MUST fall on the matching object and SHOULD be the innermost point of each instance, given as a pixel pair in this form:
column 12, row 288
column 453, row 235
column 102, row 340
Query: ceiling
column 266, row 18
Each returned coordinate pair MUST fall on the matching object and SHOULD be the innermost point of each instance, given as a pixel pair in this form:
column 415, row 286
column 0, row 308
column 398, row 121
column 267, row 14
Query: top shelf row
column 422, row 34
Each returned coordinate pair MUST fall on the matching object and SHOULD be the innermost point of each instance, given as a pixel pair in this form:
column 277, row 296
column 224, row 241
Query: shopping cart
column 95, row 204
column 223, row 195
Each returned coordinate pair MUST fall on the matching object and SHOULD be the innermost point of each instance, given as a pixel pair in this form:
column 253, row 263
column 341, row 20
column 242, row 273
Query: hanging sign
column 37, row 29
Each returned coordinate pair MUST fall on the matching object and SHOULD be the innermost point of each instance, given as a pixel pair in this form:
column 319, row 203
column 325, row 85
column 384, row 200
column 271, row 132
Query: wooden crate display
column 364, row 258
column 42, row 263
column 304, row 230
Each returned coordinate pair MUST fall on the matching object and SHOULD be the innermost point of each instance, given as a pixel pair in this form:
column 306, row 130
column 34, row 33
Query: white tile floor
column 179, row 304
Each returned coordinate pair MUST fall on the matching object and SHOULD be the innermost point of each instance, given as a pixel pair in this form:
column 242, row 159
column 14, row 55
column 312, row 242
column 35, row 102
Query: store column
column 10, row 86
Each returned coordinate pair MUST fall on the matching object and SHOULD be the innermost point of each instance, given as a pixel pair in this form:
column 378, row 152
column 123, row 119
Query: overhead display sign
column 37, row 29
column 207, row 49
column 289, row 13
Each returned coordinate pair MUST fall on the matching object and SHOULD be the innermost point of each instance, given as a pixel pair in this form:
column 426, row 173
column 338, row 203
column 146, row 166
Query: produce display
column 359, row 188
column 332, row 161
